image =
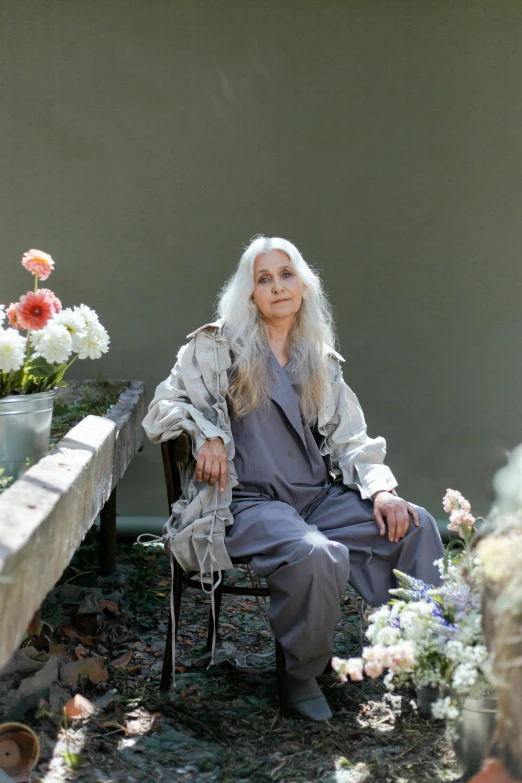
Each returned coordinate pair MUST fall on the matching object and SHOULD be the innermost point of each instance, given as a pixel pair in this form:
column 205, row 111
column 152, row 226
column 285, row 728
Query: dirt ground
column 220, row 723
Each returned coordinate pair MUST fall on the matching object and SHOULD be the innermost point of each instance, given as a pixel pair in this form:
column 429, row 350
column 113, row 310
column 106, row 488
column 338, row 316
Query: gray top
column 276, row 455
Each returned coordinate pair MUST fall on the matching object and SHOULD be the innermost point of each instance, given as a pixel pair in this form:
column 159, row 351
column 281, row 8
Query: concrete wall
column 142, row 144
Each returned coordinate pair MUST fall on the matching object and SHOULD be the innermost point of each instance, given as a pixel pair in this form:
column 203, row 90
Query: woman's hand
column 395, row 511
column 212, row 464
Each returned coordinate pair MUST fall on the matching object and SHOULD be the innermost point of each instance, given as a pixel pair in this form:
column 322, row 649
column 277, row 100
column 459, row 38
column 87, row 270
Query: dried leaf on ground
column 92, row 668
column 69, row 631
column 123, row 660
column 104, row 603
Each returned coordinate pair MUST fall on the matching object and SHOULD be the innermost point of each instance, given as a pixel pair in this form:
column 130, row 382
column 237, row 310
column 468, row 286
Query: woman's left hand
column 394, row 510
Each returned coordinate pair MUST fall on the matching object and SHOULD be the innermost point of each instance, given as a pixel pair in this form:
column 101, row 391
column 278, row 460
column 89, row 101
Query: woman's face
column 278, row 291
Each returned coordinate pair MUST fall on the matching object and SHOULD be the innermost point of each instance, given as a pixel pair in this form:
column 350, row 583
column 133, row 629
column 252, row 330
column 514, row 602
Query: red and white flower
column 34, row 310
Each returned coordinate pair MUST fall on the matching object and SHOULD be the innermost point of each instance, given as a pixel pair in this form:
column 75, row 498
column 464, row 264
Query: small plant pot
column 19, row 750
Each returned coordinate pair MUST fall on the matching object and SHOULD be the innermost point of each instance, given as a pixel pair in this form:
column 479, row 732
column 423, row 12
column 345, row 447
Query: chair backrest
column 174, row 452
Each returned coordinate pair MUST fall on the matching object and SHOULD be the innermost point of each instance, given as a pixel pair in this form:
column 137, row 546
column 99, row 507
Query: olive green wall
column 143, row 143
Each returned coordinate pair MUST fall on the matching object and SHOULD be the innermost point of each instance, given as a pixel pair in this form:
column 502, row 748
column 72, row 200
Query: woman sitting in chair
column 284, row 473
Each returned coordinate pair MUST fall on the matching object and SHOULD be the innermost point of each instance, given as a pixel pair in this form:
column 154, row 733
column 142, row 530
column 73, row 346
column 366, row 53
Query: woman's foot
column 306, row 698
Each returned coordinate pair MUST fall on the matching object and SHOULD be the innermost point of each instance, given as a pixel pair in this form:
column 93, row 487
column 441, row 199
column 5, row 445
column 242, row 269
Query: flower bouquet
column 432, row 636
column 54, row 338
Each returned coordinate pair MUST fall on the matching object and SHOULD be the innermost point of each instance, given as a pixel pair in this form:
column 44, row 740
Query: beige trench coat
column 193, row 400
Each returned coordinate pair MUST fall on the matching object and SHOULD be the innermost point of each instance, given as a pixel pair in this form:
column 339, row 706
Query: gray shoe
column 306, row 698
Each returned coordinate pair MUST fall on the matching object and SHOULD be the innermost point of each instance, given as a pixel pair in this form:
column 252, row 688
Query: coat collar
column 333, row 354
column 216, row 325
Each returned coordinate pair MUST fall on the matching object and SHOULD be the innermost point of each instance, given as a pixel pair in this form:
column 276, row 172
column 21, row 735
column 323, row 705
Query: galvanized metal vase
column 25, row 429
column 475, row 730
column 426, row 697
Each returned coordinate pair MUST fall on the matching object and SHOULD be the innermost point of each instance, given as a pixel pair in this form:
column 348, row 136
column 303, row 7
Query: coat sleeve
column 359, row 457
column 171, row 412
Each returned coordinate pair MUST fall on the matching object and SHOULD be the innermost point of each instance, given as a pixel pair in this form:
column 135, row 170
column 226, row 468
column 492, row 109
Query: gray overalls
column 307, row 535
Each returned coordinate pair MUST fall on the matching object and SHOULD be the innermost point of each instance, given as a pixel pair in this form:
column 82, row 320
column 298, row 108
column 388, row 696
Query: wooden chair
column 175, row 452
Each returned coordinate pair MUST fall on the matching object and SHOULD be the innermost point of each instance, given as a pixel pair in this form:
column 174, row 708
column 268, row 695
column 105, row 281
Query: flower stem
column 35, row 283
column 71, row 362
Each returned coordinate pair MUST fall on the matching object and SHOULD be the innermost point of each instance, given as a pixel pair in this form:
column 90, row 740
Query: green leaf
column 73, row 760
column 40, row 368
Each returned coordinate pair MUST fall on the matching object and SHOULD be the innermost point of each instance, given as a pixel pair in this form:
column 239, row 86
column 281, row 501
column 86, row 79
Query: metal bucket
column 25, row 429
column 426, row 697
column 475, row 732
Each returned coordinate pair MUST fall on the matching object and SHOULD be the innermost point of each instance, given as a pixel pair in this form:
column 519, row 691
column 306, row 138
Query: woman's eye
column 263, row 280
column 287, row 274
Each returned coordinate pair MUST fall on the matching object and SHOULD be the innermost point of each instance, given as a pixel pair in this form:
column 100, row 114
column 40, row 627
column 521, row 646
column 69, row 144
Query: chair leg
column 166, row 671
column 213, row 622
column 282, row 682
column 177, row 584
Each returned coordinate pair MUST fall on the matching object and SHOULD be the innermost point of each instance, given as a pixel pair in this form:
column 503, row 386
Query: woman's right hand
column 212, row 464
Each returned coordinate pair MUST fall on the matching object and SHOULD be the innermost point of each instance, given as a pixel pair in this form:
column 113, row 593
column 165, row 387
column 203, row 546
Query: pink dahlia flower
column 11, row 316
column 53, row 299
column 38, row 263
column 34, row 310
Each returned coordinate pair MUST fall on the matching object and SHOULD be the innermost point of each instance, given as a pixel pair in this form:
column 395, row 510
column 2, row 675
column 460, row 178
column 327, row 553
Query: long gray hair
column 248, row 333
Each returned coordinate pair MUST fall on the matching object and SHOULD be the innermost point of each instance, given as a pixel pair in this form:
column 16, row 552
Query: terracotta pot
column 19, row 750
column 493, row 771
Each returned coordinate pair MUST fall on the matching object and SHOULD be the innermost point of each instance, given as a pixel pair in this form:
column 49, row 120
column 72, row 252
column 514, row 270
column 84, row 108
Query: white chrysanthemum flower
column 396, row 609
column 378, row 620
column 2, row 314
column 455, row 650
column 95, row 342
column 388, row 636
column 75, row 324
column 380, row 615
column 12, row 350
column 54, row 344
column 34, row 339
column 444, row 709
column 89, row 316
column 439, row 708
column 452, row 712
column 464, row 676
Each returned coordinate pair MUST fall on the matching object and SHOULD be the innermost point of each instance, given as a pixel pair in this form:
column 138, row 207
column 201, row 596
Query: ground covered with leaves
column 220, row 723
